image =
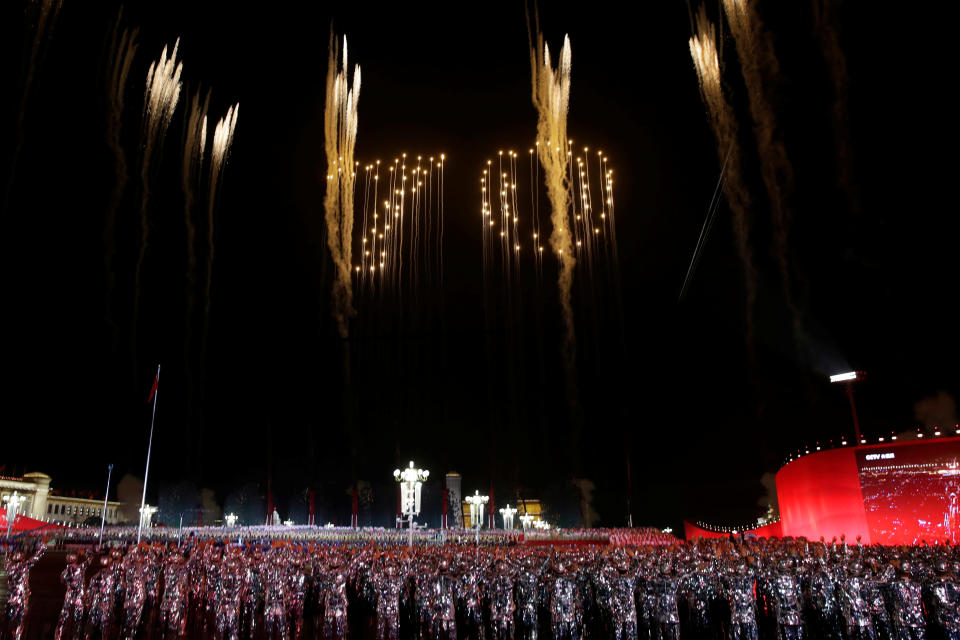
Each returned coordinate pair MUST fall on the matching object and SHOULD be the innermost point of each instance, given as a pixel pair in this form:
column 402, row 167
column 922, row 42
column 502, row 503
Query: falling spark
column 340, row 135
column 46, row 14
column 160, row 100
column 703, row 51
column 194, row 146
column 551, row 97
column 123, row 49
column 219, row 151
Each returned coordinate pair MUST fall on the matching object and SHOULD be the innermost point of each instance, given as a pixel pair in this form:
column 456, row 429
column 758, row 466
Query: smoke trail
column 759, row 66
column 47, row 11
column 194, row 145
column 159, row 103
column 219, row 150
column 123, row 48
column 826, row 30
column 551, row 97
column 340, row 136
column 703, row 50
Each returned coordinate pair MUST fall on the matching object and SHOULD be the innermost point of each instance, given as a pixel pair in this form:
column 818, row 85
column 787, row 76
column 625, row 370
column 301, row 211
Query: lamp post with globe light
column 231, row 519
column 146, row 515
column 476, row 502
column 411, row 482
column 526, row 520
column 14, row 500
column 508, row 513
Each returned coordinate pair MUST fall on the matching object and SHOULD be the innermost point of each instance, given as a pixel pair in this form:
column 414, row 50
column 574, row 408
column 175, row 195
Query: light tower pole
column 848, row 379
column 411, row 482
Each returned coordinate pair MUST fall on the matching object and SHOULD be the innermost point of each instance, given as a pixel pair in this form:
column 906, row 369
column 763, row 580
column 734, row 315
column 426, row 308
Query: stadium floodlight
column 848, row 378
column 844, row 377
column 411, row 482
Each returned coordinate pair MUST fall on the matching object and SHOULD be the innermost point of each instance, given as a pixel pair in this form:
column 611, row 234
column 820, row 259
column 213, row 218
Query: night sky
column 664, row 384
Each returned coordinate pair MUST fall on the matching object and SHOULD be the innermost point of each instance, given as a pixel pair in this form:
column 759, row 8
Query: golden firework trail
column 46, row 12
column 551, row 97
column 703, row 51
column 340, row 136
column 161, row 95
column 219, row 151
column 194, row 146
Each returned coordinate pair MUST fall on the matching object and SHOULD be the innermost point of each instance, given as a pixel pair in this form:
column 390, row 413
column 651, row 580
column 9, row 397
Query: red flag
column 153, row 389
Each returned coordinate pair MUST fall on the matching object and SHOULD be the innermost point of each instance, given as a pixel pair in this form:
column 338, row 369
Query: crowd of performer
column 735, row 589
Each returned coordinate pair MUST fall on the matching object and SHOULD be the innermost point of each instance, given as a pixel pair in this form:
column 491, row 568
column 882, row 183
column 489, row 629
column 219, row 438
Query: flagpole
column 146, row 473
column 106, row 496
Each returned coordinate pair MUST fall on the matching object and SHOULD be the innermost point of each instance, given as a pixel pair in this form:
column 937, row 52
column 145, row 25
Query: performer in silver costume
column 176, row 589
column 500, row 581
column 856, row 609
column 18, row 590
column 566, row 604
column 71, row 614
column 738, row 589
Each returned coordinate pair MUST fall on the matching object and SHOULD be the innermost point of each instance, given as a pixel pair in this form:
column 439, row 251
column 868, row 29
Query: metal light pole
column 848, row 379
column 476, row 502
column 13, row 505
column 231, row 519
column 411, row 482
column 106, row 496
column 154, row 394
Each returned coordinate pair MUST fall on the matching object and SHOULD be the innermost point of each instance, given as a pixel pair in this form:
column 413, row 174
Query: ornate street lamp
column 526, row 520
column 411, row 482
column 14, row 500
column 231, row 519
column 508, row 513
column 476, row 502
column 146, row 515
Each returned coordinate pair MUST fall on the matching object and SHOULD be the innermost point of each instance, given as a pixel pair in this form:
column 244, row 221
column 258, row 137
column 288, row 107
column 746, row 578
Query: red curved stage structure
column 888, row 493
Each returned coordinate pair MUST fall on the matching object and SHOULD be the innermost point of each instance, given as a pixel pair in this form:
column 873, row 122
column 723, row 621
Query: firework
column 551, row 97
column 160, row 100
column 219, row 151
column 194, row 145
column 703, row 51
column 340, row 135
column 510, row 221
column 400, row 238
column 46, row 12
